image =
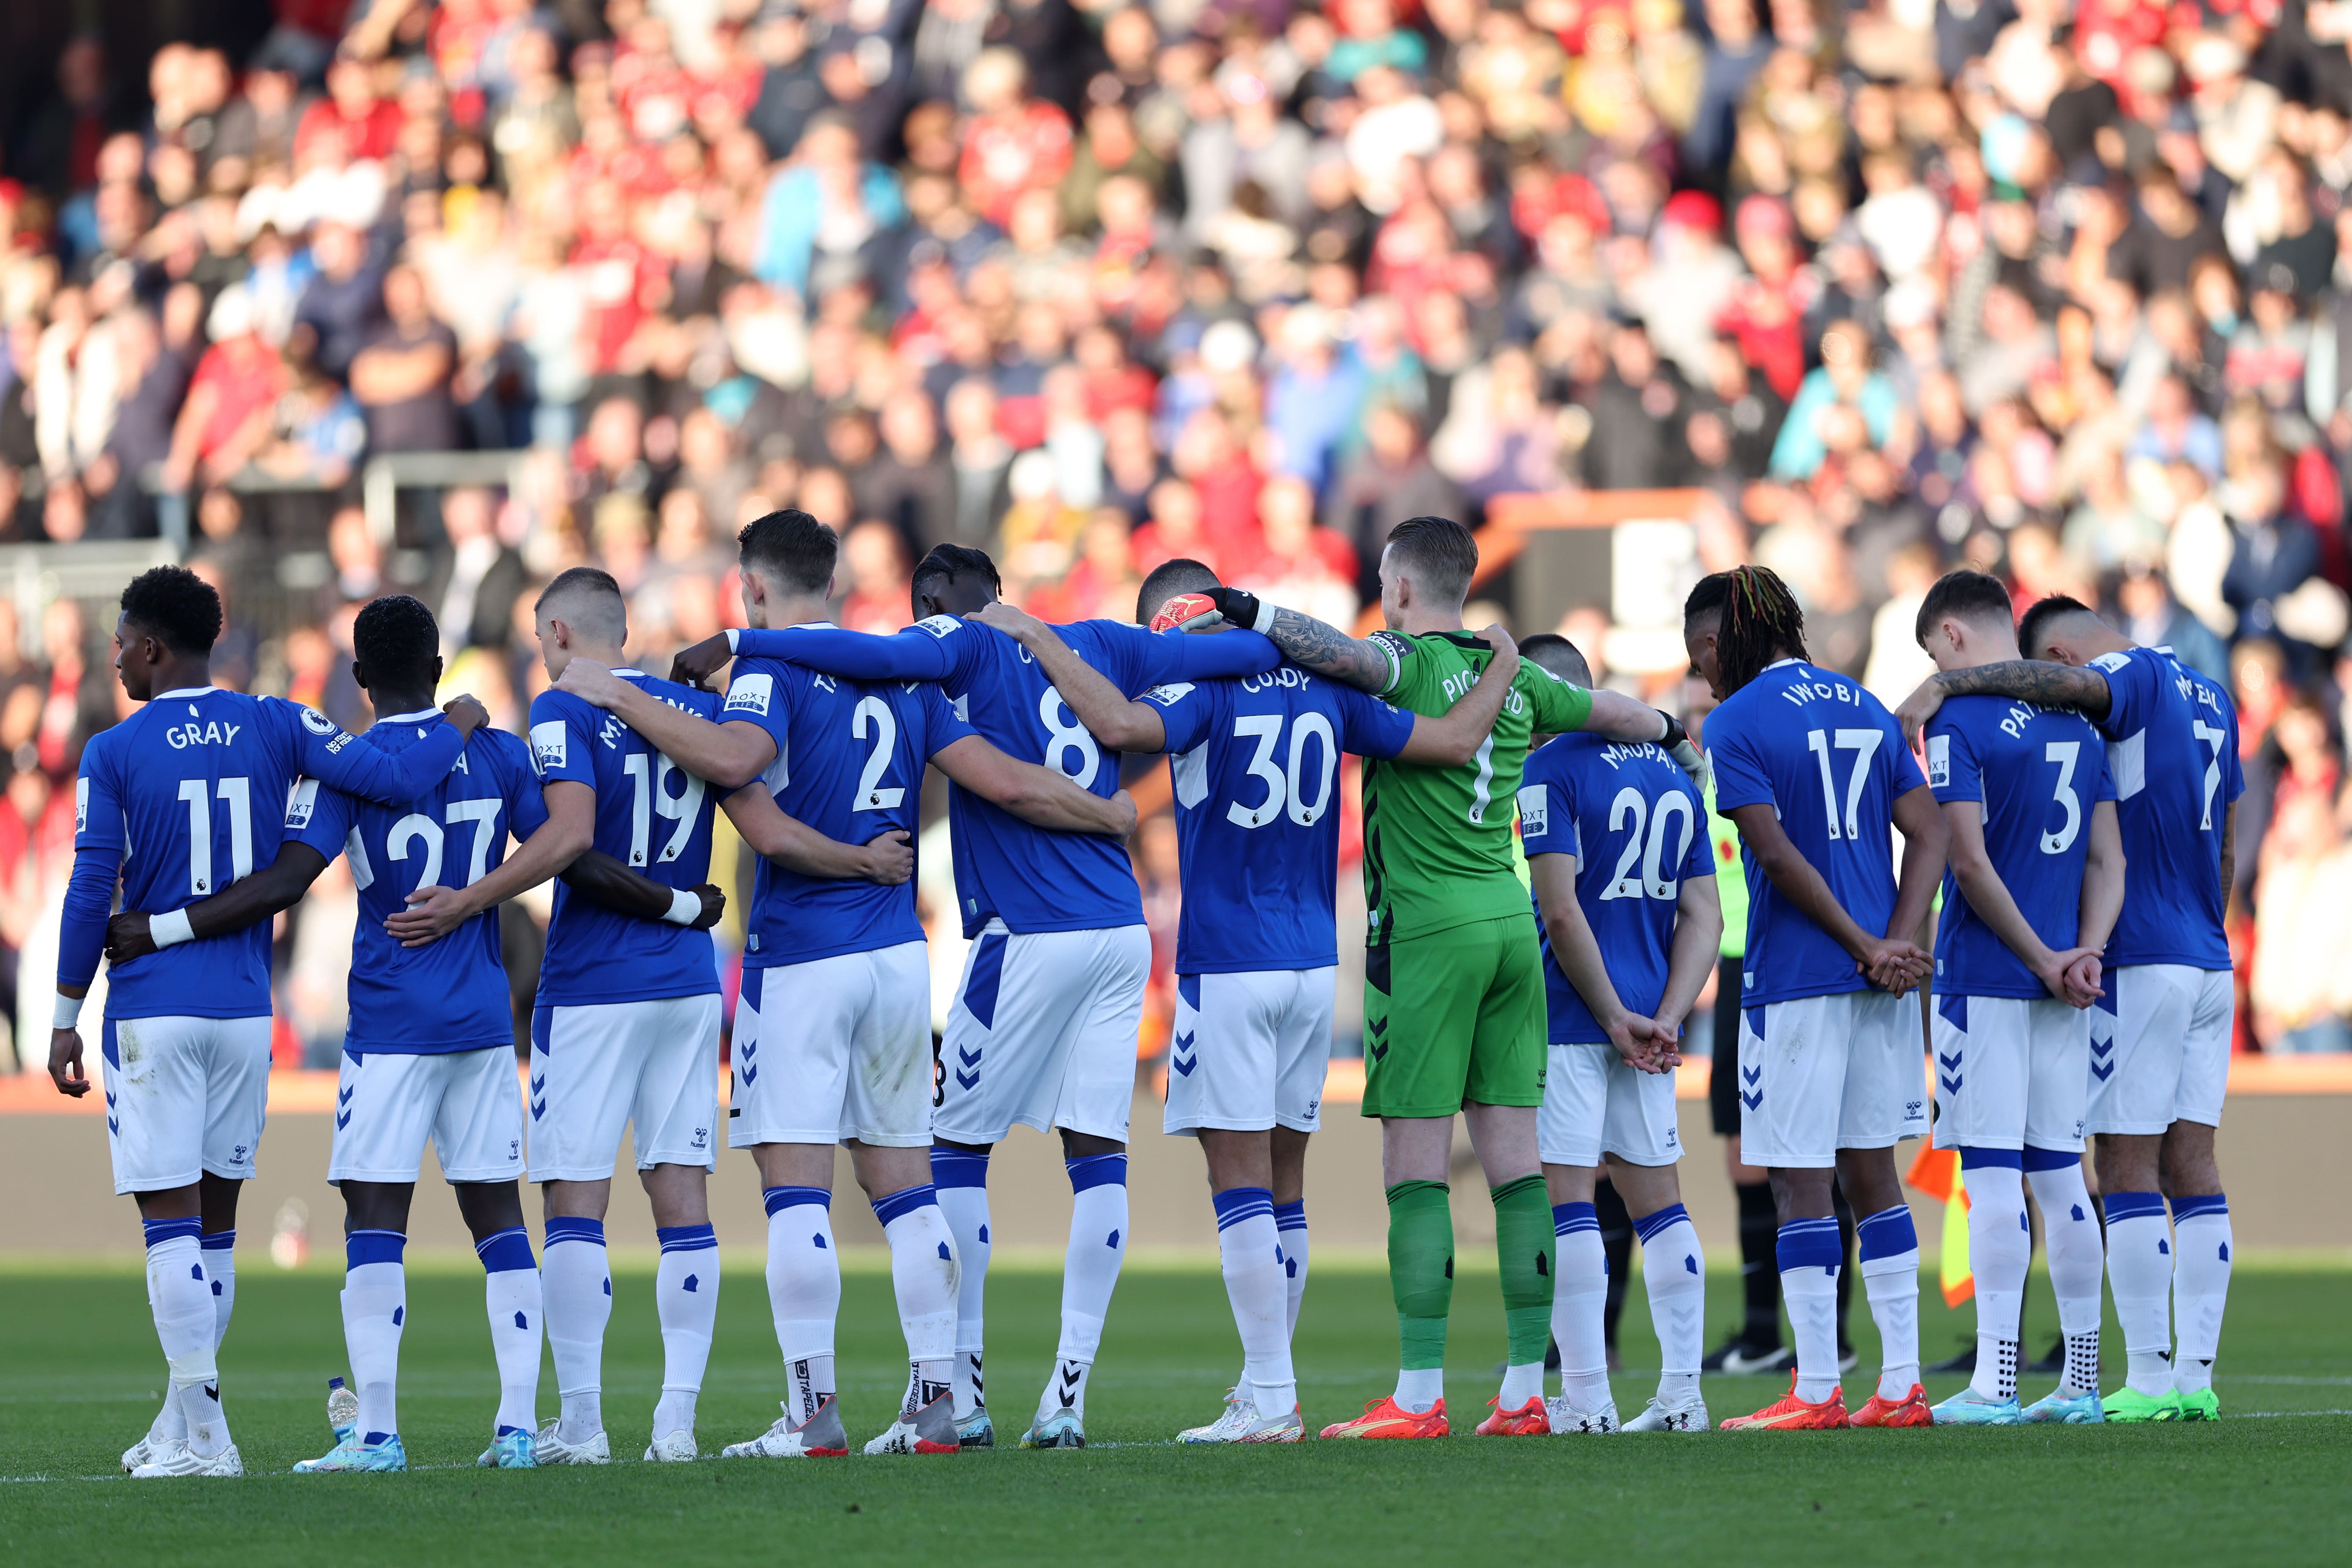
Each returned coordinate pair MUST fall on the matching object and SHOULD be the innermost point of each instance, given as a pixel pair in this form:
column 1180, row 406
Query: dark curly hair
column 1762, row 622
column 177, row 607
column 396, row 641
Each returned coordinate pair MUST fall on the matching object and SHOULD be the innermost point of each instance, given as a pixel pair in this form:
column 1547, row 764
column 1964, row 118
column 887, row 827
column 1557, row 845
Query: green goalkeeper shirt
column 1438, row 850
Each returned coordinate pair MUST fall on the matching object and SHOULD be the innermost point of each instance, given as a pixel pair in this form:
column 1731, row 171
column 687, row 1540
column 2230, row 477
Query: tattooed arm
column 1359, row 661
column 2040, row 681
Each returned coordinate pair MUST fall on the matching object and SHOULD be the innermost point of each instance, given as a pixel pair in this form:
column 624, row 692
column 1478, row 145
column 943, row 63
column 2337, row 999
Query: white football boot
column 1660, row 1416
column 930, row 1430
column 1567, row 1420
column 550, row 1450
column 1242, row 1424
column 820, row 1437
column 179, row 1459
column 673, row 1448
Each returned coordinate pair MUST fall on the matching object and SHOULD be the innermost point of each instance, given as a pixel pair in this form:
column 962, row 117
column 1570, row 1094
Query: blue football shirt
column 2173, row 751
column 1830, row 760
column 189, row 795
column 450, row 994
column 1255, row 764
column 2036, row 773
column 1031, row 878
column 1637, row 827
column 655, row 818
column 849, row 763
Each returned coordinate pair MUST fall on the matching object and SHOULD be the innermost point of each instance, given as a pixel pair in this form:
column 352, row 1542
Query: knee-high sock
column 1806, row 1251
column 181, row 1302
column 1579, row 1296
column 220, row 1273
column 1290, row 1223
column 1523, row 1254
column 2070, row 1240
column 1674, row 1273
column 577, row 1284
column 925, row 1275
column 962, row 1177
column 2001, row 1245
column 1097, row 1247
column 1249, row 1254
column 1890, row 1274
column 1759, row 1268
column 1617, row 1241
column 685, row 1297
column 2139, row 1272
column 511, row 1295
column 804, row 1291
column 2200, row 1287
column 375, row 1307
column 1420, row 1277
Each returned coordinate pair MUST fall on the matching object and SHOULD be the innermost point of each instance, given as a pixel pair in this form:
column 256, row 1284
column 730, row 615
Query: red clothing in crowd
column 623, row 282
column 246, row 376
column 1006, row 154
column 367, row 134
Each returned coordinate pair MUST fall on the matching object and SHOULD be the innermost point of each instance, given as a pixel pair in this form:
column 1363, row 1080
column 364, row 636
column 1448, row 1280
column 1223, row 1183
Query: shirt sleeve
column 1699, row 860
column 318, row 816
column 757, row 697
column 2094, row 757
column 1740, row 776
column 1369, row 727
column 2131, row 688
column 1902, row 775
column 325, row 751
column 1236, row 651
column 1953, row 771
column 1557, row 707
column 526, row 801
column 1546, row 815
column 924, row 651
column 941, row 728
column 1188, row 713
column 1414, row 681
column 99, row 834
column 561, row 737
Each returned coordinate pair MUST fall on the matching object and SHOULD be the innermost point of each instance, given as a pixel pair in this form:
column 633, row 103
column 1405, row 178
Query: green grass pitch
column 79, row 1369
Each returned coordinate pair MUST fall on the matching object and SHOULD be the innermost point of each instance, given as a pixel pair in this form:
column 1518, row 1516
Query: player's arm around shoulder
column 1038, row 795
column 1119, row 722
column 886, row 859
column 1453, row 738
column 729, row 754
column 2042, row 683
column 317, row 817
column 1374, row 664
column 433, row 913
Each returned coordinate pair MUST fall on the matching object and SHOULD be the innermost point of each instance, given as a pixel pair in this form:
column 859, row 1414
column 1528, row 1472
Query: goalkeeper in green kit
column 1454, row 987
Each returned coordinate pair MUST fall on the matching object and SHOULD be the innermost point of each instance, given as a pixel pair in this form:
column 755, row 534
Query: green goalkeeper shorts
column 1454, row 1015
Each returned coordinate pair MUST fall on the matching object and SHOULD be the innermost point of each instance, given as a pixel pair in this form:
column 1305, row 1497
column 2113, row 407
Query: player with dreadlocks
column 1814, row 770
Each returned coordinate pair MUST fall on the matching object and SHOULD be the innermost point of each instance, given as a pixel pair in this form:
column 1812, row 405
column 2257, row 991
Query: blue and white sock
column 2139, row 1272
column 961, row 1178
column 1673, row 1274
column 1290, row 1226
column 804, row 1290
column 1810, row 1254
column 686, row 1299
column 1249, row 1253
column 2200, row 1287
column 1890, row 1274
column 1097, row 1247
column 2000, row 1246
column 181, row 1302
column 577, row 1281
column 220, row 1273
column 1580, row 1297
column 2077, row 1258
column 375, row 1308
column 512, row 1295
column 925, row 1275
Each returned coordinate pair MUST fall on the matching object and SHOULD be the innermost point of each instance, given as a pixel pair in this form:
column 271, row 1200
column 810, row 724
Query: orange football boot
column 1790, row 1413
column 1382, row 1418
column 1527, row 1421
column 1911, row 1410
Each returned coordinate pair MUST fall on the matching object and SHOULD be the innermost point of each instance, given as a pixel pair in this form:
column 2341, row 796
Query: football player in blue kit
column 2160, row 1031
column 1813, row 773
column 195, row 782
column 429, row 1052
column 1043, row 1028
column 2036, row 882
column 1622, row 873
column 1255, row 764
column 832, row 1037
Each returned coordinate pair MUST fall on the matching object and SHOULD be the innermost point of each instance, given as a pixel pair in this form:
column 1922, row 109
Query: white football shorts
column 1595, row 1103
column 1819, row 1074
column 184, row 1097
column 2010, row 1072
column 387, row 1104
column 1042, row 1034
column 1248, row 1052
column 2160, row 1048
column 839, row 1048
column 652, row 1067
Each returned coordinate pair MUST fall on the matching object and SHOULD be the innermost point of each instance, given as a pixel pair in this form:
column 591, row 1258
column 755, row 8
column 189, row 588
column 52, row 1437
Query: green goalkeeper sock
column 1421, row 1270
column 1523, row 1246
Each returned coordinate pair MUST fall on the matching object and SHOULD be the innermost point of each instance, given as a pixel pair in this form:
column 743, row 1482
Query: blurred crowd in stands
column 2050, row 288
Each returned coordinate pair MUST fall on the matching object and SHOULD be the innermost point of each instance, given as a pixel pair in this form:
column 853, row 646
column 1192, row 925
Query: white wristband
column 685, row 907
column 1267, row 610
column 170, row 931
column 69, row 1012
column 731, row 632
